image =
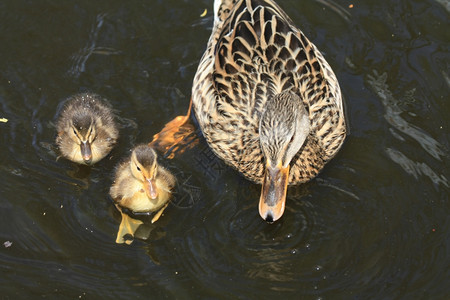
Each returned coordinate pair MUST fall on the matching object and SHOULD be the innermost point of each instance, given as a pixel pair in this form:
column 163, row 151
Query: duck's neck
column 307, row 163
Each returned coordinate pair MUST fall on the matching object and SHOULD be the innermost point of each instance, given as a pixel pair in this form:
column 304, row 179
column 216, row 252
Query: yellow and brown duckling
column 86, row 129
column 141, row 184
column 266, row 100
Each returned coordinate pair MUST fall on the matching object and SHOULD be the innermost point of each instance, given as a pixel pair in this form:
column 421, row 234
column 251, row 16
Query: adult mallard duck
column 266, row 100
column 86, row 129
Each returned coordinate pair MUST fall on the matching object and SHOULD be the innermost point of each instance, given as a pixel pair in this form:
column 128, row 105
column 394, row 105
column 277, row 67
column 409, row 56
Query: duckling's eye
column 74, row 131
column 139, row 169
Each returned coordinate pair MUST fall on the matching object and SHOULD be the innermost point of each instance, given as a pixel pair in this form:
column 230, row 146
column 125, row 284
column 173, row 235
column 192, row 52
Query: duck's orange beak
column 86, row 152
column 273, row 193
column 150, row 189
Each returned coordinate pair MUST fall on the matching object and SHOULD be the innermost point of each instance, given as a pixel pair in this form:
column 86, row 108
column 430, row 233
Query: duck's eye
column 74, row 131
column 139, row 169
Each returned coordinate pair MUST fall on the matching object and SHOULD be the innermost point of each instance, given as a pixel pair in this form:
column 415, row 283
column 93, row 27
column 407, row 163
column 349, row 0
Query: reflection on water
column 416, row 168
column 393, row 116
column 373, row 225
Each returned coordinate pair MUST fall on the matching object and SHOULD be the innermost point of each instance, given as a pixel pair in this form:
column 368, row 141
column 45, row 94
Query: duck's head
column 283, row 128
column 82, row 129
column 144, row 167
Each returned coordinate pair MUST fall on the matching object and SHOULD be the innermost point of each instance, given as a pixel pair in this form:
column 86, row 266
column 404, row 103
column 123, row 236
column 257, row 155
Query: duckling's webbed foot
column 128, row 227
column 159, row 213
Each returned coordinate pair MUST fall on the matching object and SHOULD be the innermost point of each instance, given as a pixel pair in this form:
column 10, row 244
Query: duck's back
column 254, row 53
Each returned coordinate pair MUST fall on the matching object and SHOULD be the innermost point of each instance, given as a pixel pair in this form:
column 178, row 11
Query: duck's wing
column 259, row 53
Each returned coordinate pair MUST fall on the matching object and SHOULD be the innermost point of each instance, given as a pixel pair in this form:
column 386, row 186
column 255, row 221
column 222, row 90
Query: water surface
column 373, row 225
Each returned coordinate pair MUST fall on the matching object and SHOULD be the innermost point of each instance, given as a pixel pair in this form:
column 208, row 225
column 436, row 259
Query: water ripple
column 393, row 116
column 80, row 59
column 232, row 244
column 416, row 168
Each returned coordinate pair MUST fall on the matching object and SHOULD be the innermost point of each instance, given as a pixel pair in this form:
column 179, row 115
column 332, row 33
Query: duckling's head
column 86, row 129
column 144, row 167
column 283, row 128
column 83, row 131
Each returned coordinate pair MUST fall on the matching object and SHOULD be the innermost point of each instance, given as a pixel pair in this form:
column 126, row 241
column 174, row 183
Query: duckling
column 86, row 129
column 141, row 184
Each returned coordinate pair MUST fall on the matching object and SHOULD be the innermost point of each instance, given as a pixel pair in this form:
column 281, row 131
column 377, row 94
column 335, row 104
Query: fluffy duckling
column 142, row 185
column 86, row 129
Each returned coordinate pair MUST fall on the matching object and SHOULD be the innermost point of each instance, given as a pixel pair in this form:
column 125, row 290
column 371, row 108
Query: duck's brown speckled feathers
column 255, row 52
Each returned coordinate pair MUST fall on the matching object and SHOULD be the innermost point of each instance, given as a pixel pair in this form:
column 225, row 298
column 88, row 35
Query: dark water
column 373, row 225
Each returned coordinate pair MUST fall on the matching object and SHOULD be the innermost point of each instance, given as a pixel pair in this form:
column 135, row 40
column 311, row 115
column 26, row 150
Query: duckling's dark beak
column 273, row 193
column 86, row 152
column 150, row 189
